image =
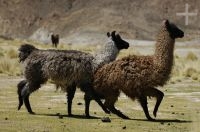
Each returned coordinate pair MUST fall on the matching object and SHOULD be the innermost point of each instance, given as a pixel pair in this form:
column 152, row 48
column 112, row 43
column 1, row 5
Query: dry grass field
column 179, row 111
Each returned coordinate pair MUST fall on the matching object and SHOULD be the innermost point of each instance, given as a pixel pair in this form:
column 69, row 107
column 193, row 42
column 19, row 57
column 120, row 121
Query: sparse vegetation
column 185, row 67
column 172, row 120
column 178, row 113
column 191, row 56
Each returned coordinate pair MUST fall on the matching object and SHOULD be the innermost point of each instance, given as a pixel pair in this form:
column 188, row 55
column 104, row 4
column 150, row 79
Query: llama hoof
column 88, row 116
column 150, row 119
column 32, row 113
column 107, row 111
column 126, row 117
column 70, row 115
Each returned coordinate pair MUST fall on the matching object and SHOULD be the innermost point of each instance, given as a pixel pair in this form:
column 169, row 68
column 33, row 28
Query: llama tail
column 24, row 51
column 20, row 86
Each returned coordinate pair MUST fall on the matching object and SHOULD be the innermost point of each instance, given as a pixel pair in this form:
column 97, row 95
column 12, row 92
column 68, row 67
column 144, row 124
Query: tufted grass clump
column 12, row 53
column 186, row 67
column 191, row 56
column 9, row 66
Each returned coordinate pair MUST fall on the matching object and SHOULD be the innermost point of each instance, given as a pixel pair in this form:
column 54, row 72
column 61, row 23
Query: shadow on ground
column 93, row 117
column 165, row 120
column 72, row 116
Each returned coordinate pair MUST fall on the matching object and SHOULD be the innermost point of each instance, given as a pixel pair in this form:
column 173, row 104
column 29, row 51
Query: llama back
column 57, row 65
column 129, row 72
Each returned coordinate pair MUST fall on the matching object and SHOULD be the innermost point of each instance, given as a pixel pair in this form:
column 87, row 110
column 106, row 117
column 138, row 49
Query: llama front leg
column 87, row 99
column 20, row 87
column 27, row 104
column 89, row 95
column 70, row 95
column 109, row 103
column 24, row 93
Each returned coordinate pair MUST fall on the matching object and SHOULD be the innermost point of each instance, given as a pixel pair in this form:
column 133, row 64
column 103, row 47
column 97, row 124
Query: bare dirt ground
column 179, row 111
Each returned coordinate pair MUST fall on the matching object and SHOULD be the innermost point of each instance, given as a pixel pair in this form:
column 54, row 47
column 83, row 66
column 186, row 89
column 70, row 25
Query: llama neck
column 107, row 54
column 164, row 52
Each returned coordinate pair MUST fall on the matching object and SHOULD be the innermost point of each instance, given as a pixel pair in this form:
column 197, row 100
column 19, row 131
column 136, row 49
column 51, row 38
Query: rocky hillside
column 87, row 21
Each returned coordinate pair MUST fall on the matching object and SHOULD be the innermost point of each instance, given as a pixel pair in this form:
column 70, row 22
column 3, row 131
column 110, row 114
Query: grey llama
column 67, row 68
column 138, row 76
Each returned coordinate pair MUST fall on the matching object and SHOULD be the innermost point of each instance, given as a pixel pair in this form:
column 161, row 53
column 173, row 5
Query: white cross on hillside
column 187, row 14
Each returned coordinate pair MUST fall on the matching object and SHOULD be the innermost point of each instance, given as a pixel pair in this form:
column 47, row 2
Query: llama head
column 119, row 42
column 24, row 51
column 173, row 30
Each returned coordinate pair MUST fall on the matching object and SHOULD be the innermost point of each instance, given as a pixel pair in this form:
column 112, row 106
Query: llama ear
column 108, row 34
column 166, row 22
column 113, row 34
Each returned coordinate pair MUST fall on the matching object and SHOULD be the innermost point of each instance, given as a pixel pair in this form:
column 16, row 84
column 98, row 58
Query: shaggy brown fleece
column 137, row 76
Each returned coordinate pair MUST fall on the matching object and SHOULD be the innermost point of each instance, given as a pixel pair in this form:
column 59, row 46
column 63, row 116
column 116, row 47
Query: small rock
column 173, row 112
column 49, row 108
column 79, row 103
column 182, row 114
column 124, row 127
column 60, row 117
column 168, row 124
column 172, row 106
column 105, row 119
column 95, row 113
column 162, row 123
column 6, row 118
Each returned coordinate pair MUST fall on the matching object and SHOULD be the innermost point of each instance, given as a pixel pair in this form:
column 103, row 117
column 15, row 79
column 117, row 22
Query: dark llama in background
column 67, row 68
column 138, row 76
column 55, row 40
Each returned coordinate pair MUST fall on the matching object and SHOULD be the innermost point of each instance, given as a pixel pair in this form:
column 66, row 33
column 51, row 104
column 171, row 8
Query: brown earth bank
column 88, row 20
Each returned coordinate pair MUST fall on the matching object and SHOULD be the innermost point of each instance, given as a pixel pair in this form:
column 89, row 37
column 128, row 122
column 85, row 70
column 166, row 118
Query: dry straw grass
column 185, row 67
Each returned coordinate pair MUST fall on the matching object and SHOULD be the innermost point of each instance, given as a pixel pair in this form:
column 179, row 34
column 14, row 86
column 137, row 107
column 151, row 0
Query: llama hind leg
column 153, row 92
column 143, row 101
column 89, row 95
column 109, row 103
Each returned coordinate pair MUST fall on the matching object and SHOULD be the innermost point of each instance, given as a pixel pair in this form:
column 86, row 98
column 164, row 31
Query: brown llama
column 138, row 76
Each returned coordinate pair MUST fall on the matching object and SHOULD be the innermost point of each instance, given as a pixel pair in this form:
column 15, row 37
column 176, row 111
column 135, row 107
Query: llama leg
column 87, row 104
column 89, row 95
column 153, row 92
column 143, row 102
column 98, row 100
column 20, row 87
column 109, row 103
column 25, row 97
column 26, row 92
column 27, row 104
column 70, row 95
